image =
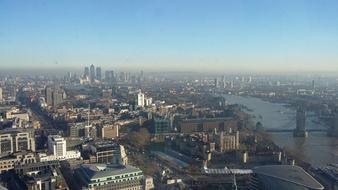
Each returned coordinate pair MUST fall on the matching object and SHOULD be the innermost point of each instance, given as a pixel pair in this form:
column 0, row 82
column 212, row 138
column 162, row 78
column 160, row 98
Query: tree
column 140, row 138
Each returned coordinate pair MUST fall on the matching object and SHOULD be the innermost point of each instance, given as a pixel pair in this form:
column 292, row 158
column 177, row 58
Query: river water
column 318, row 149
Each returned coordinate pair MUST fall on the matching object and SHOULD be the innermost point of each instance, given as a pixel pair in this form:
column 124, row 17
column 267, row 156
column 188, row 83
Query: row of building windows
column 125, row 183
column 116, row 181
column 118, row 177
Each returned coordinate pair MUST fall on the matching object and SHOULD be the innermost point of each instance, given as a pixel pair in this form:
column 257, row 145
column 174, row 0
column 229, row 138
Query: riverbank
column 317, row 150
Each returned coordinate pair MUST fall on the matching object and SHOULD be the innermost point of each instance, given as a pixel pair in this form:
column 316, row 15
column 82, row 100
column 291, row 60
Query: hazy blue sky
column 214, row 35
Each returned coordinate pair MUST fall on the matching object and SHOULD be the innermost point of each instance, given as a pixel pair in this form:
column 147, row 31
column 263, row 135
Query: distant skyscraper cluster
column 91, row 74
column 94, row 74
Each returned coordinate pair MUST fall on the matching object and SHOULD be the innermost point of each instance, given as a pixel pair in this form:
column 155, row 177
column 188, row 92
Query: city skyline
column 229, row 36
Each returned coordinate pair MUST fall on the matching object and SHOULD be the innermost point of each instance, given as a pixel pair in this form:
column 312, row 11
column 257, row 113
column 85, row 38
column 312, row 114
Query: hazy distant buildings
column 1, row 97
column 49, row 96
column 109, row 76
column 86, row 72
column 92, row 73
column 98, row 73
column 333, row 131
column 57, row 98
column 300, row 124
column 250, row 79
column 123, row 77
column 232, row 84
column 54, row 96
column 313, row 85
column 216, row 83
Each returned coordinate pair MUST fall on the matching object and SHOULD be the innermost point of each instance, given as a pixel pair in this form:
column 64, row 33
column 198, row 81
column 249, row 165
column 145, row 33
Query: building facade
column 226, row 141
column 57, row 145
column 98, row 73
column 108, row 152
column 161, row 125
column 57, row 150
column 19, row 158
column 14, row 140
column 110, row 131
column 140, row 99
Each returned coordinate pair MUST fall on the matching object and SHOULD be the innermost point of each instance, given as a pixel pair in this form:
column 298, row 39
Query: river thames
column 318, row 149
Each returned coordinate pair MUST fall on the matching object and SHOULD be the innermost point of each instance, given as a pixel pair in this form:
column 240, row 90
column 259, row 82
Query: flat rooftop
column 94, row 171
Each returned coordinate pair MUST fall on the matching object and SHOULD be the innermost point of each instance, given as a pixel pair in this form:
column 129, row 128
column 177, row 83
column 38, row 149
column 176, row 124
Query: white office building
column 148, row 101
column 140, row 99
column 57, row 145
column 57, row 150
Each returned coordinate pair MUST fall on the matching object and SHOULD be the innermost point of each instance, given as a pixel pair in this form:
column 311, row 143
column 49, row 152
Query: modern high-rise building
column 69, row 75
column 56, row 145
column 86, row 72
column 98, row 73
column 283, row 177
column 123, row 77
column 313, row 85
column 49, row 96
column 14, row 140
column 140, row 99
column 216, row 83
column 92, row 73
column 109, row 76
column 300, row 124
column 57, row 98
